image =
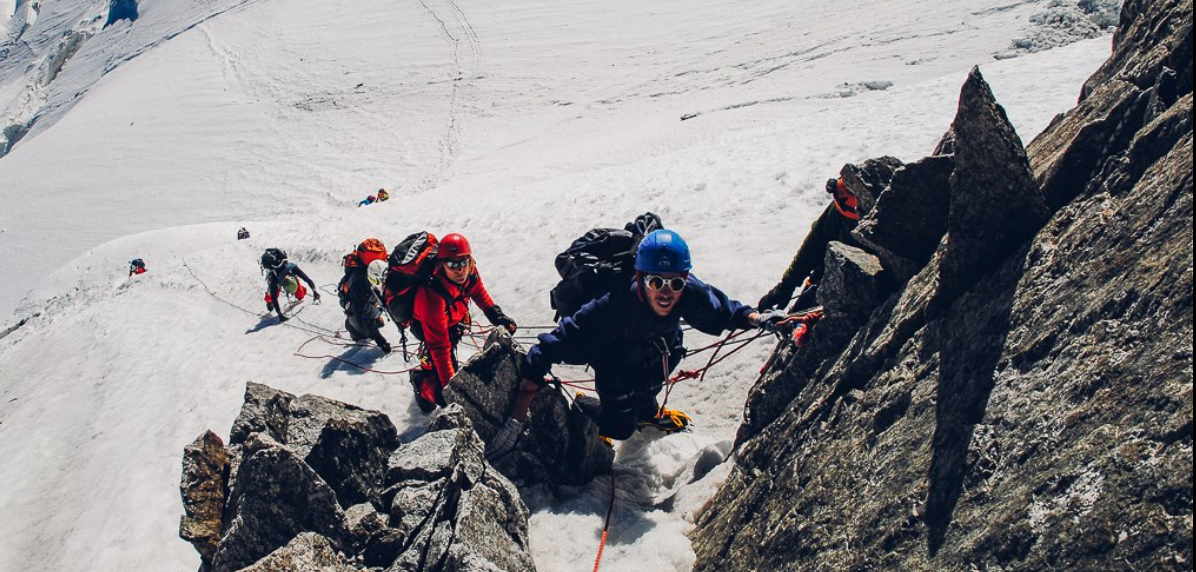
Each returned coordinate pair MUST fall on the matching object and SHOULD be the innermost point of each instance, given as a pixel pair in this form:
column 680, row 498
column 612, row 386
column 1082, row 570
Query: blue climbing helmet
column 663, row 251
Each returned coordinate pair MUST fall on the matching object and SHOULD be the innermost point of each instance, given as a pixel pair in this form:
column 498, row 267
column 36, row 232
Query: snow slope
column 520, row 125
column 244, row 109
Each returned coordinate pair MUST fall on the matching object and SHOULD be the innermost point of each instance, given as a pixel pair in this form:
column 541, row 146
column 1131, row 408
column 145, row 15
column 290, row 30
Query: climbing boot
column 668, row 420
column 417, row 380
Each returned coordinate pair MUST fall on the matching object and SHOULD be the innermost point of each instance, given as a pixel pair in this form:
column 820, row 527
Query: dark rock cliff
column 1022, row 399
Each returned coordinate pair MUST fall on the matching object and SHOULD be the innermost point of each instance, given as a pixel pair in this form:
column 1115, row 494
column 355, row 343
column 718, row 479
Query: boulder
column 307, row 552
column 560, row 444
column 869, row 179
column 276, row 497
column 264, row 411
column 853, row 285
column 364, row 522
column 995, row 203
column 433, row 504
column 203, row 486
column 346, row 445
column 450, row 510
column 910, row 217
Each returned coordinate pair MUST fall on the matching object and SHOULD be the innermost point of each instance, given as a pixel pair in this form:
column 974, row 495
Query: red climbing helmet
column 453, row 246
column 845, row 201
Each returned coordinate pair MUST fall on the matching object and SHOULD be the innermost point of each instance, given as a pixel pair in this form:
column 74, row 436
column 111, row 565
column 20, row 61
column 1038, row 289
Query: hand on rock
column 504, row 441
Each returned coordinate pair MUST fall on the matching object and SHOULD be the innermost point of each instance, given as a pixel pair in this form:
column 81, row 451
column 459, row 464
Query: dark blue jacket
column 619, row 335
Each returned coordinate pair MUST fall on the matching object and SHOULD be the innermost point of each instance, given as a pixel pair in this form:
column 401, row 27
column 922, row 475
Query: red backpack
column 369, row 250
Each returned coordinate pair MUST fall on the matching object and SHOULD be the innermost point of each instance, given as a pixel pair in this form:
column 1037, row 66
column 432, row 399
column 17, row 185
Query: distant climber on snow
column 834, row 224
column 383, row 196
column 284, row 275
column 242, row 233
column 632, row 339
column 136, row 266
column 360, row 292
column 367, row 201
column 429, row 287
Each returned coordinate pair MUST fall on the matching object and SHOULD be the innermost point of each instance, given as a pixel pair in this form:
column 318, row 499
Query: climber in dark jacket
column 280, row 274
column 633, row 340
column 363, row 315
column 835, row 224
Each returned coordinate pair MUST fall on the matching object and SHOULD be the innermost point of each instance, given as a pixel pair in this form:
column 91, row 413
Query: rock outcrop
column 309, row 483
column 204, row 488
column 560, row 446
column 1023, row 399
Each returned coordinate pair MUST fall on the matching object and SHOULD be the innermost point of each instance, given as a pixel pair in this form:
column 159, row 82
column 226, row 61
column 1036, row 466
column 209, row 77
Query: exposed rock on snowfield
column 560, row 445
column 204, row 484
column 1064, row 22
column 316, row 484
column 1023, row 401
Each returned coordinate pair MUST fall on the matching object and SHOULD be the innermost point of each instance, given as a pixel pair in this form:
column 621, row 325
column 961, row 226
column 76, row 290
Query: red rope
column 299, row 353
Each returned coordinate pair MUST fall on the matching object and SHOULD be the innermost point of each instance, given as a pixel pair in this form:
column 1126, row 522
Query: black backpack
column 600, row 261
column 411, row 265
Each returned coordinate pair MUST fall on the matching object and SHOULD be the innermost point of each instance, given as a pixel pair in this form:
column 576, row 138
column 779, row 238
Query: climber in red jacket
column 441, row 317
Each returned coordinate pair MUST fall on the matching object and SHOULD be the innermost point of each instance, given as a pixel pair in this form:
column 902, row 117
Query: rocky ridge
column 308, row 483
column 1011, row 389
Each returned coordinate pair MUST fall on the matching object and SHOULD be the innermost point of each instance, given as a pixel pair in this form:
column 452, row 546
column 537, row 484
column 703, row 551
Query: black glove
column 384, row 346
column 770, row 321
column 315, row 296
column 498, row 318
column 778, row 297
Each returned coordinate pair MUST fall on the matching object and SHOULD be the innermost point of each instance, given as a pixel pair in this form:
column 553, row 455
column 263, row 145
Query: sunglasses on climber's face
column 457, row 263
column 656, row 283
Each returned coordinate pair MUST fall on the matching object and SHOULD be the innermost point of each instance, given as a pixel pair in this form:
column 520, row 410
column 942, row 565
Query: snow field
column 520, row 124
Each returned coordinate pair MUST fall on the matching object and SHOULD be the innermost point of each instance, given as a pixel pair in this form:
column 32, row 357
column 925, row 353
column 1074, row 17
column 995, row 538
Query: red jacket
column 436, row 312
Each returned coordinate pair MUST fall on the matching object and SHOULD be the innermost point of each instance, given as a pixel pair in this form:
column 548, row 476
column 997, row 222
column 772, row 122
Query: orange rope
column 610, row 509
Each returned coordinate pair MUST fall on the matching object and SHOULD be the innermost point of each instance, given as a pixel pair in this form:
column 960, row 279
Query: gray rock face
column 308, row 552
column 277, row 496
column 264, row 411
column 1152, row 35
column 451, row 510
column 995, row 203
column 559, row 446
column 1039, row 418
column 346, row 445
column 204, row 486
column 869, row 179
column 910, row 217
column 443, row 507
column 852, row 286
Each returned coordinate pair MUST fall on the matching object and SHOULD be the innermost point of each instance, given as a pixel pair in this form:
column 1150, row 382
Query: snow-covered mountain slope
column 241, row 109
column 520, row 125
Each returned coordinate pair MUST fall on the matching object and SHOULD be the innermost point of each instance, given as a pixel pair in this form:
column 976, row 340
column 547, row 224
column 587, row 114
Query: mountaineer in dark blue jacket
column 633, row 341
